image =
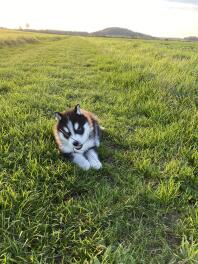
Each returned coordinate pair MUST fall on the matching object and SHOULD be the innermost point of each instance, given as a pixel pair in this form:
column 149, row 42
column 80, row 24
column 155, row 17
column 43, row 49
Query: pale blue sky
column 163, row 18
column 195, row 2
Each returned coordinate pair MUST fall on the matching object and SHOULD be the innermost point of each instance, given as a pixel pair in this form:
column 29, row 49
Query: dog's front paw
column 85, row 165
column 81, row 161
column 95, row 164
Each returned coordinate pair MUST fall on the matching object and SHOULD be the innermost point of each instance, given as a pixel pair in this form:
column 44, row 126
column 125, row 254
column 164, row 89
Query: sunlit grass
column 16, row 38
column 142, row 206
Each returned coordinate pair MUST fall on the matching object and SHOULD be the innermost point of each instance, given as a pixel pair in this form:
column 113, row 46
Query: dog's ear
column 77, row 109
column 58, row 116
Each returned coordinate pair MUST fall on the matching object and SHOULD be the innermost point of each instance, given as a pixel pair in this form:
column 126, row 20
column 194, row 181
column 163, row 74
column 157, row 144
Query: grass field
column 142, row 206
column 16, row 38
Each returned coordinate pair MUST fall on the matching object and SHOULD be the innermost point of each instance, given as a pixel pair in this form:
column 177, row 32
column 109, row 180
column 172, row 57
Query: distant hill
column 107, row 32
column 193, row 38
column 120, row 32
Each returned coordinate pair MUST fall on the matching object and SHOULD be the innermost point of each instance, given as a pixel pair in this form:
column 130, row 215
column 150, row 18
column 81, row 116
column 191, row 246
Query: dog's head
column 73, row 127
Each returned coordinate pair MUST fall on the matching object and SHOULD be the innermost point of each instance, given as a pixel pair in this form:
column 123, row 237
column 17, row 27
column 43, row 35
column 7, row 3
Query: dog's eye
column 66, row 134
column 79, row 130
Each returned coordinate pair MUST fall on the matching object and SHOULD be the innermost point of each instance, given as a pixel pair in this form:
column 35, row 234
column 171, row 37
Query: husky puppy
column 77, row 134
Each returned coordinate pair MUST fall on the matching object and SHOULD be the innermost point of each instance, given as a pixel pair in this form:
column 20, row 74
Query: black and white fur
column 77, row 134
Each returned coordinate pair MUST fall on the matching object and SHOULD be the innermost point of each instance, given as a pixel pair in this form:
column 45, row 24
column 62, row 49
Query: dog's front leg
column 81, row 161
column 93, row 159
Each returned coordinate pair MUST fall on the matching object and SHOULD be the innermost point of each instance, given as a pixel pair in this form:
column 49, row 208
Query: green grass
column 16, row 38
column 142, row 206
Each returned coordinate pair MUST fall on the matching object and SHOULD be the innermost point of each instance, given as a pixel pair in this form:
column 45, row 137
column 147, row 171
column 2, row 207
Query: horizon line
column 91, row 32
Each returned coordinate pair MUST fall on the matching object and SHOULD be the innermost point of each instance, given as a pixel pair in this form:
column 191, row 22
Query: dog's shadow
column 110, row 145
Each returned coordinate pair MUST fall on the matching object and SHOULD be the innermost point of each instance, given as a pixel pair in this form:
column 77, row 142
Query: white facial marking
column 76, row 126
column 65, row 145
column 84, row 137
column 70, row 126
column 66, row 129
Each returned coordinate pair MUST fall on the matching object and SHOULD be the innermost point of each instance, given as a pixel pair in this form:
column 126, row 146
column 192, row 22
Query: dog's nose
column 76, row 143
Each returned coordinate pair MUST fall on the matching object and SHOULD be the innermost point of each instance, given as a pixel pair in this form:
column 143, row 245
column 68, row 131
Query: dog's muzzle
column 77, row 145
